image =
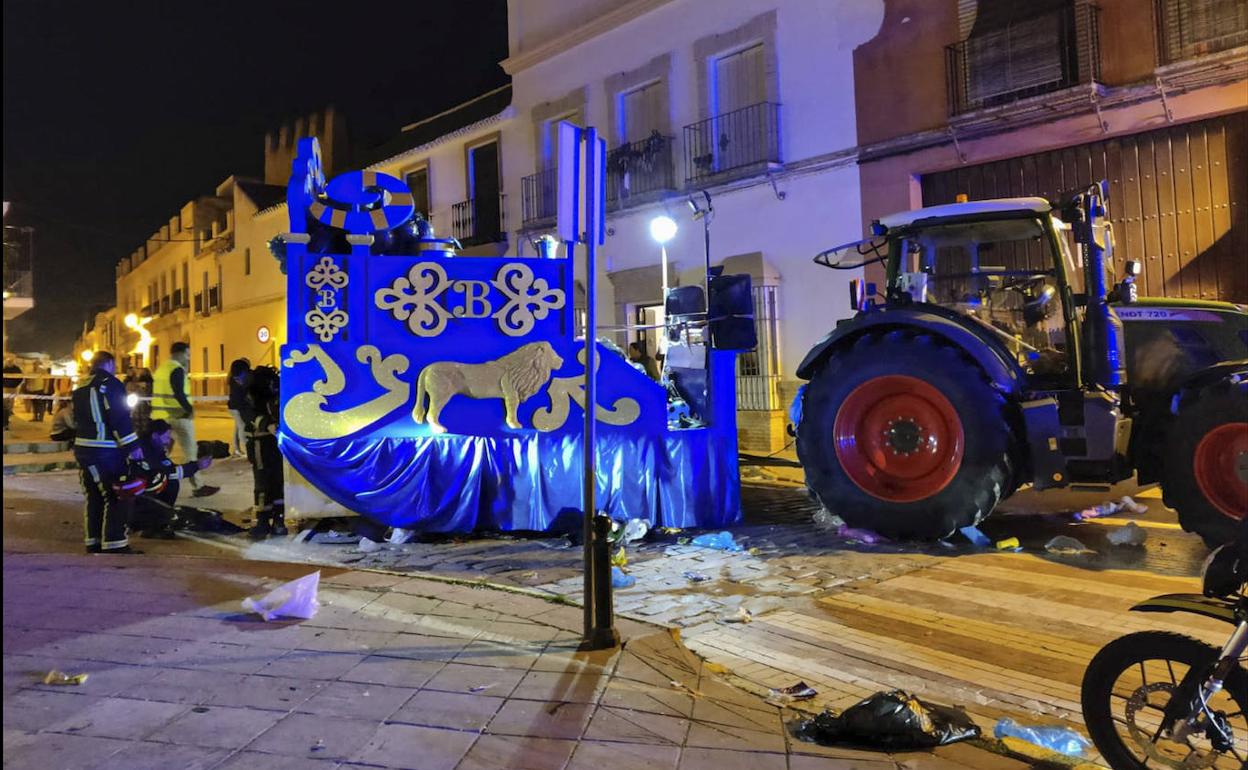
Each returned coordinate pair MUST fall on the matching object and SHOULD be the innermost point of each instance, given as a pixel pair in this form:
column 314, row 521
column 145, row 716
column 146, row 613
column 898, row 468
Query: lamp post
column 663, row 229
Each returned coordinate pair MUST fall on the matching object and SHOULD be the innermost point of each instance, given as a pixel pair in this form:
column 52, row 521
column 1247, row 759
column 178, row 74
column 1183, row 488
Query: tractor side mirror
column 1126, row 291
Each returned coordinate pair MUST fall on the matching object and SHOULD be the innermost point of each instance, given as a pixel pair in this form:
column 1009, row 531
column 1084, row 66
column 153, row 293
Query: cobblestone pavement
column 392, row 672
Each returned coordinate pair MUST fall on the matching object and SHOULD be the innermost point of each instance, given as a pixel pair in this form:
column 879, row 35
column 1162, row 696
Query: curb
column 24, row 468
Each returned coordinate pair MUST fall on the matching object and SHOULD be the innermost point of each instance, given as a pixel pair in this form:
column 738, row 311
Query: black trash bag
column 217, row 450
column 895, row 721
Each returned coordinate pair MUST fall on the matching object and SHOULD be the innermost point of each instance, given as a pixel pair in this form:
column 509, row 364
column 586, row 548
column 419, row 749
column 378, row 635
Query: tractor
column 999, row 355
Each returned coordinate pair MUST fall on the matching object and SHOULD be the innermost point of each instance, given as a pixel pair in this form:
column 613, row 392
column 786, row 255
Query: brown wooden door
column 1178, row 200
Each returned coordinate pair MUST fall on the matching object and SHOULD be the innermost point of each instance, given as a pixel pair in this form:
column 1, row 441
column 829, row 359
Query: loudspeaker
column 732, row 313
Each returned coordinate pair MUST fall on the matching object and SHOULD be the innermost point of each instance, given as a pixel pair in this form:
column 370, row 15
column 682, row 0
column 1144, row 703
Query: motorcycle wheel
column 1126, row 689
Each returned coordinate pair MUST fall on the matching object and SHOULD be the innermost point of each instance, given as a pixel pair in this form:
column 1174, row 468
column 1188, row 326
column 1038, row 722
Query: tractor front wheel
column 904, row 435
column 1206, row 468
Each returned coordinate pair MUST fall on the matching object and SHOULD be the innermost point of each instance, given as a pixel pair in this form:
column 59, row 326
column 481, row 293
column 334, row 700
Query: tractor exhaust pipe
column 1102, row 330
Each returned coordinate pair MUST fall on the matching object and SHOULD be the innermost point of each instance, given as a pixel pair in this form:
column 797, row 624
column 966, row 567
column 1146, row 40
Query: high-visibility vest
column 165, row 405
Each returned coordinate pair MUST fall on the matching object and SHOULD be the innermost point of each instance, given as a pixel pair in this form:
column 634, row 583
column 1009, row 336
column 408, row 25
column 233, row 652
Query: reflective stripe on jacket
column 101, row 414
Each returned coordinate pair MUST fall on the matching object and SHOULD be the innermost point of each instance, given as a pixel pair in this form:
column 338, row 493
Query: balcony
column 1187, row 29
column 740, row 141
column 638, row 169
column 537, row 198
column 1027, row 57
column 475, row 222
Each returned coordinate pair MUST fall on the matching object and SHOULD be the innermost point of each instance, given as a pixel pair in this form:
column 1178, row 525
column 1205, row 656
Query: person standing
column 171, row 402
column 38, row 387
column 139, row 384
column 104, row 440
column 240, row 411
column 265, row 454
column 11, row 385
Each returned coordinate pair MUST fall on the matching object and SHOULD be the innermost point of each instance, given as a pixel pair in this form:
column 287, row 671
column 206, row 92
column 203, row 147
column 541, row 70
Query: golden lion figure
column 513, row 378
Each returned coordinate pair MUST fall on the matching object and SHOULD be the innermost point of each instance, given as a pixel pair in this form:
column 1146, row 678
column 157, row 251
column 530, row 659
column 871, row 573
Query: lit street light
column 663, row 229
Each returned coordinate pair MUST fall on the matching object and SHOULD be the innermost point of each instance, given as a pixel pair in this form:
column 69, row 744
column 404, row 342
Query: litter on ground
column 1009, row 544
column 891, row 721
column 1064, row 545
column 1110, row 507
column 296, row 599
column 855, row 535
column 369, row 546
column 720, row 541
column 621, row 579
column 696, row 577
column 976, row 537
column 60, row 677
column 799, row 691
column 742, row 615
column 1062, row 740
column 1131, row 534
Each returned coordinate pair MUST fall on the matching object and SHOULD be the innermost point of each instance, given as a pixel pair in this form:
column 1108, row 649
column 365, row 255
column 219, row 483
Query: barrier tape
column 30, row 397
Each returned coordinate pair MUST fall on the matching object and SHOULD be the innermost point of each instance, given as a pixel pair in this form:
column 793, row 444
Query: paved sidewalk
column 393, row 672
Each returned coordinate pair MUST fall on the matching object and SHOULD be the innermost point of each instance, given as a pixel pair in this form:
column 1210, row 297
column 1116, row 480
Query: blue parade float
column 444, row 393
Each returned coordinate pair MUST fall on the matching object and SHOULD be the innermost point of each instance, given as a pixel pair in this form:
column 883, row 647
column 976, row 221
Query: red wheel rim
column 1220, row 465
column 898, row 438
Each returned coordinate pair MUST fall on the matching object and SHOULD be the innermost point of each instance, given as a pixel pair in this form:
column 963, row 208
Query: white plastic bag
column 296, row 599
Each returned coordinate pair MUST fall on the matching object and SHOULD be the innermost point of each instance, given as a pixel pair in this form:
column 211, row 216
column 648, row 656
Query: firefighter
column 171, row 402
column 265, row 456
column 104, row 438
column 156, row 513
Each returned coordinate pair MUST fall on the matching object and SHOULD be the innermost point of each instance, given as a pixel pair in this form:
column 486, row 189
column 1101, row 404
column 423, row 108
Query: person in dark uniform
column 104, row 439
column 156, row 513
column 264, row 454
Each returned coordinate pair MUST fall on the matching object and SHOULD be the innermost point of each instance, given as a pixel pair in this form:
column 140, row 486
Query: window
column 246, row 261
column 758, row 370
column 203, row 386
column 1191, row 28
column 550, row 135
column 737, row 80
column 222, row 358
column 418, row 183
column 640, row 112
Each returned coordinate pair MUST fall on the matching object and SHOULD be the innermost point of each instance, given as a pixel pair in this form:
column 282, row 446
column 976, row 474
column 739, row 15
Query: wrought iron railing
column 474, row 226
column 758, row 370
column 537, row 198
column 741, row 139
column 1027, row 57
column 1187, row 29
column 638, row 168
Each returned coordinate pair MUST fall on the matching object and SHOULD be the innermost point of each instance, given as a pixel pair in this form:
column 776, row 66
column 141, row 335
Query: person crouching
column 264, row 454
column 155, row 511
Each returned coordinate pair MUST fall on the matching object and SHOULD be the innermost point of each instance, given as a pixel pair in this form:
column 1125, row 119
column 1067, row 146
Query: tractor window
column 1001, row 273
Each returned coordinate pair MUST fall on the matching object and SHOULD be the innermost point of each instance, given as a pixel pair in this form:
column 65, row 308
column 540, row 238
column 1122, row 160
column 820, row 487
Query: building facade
column 1007, row 99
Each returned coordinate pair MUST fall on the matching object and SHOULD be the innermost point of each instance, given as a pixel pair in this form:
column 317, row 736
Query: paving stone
column 356, row 700
column 419, row 748
column 457, row 677
column 491, row 752
column 579, row 687
column 54, row 750
column 312, row 736
column 593, row 755
column 223, row 727
column 313, row 665
column 395, row 672
column 186, row 686
column 119, row 718
column 728, row 759
column 278, row 693
column 459, row 711
column 634, row 726
column 486, row 653
column 34, row 709
column 165, row 756
column 717, row 736
column 541, row 719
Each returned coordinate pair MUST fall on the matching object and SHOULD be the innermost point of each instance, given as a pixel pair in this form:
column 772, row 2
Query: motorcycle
column 1158, row 699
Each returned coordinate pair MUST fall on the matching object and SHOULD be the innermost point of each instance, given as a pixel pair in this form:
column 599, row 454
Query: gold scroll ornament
column 305, row 413
column 564, row 390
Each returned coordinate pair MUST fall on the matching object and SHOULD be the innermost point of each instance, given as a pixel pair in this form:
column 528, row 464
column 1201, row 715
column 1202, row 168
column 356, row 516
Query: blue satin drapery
column 454, row 483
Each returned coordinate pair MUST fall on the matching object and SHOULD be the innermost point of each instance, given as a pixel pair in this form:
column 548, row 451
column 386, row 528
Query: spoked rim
column 898, row 438
column 1220, row 464
column 1137, row 710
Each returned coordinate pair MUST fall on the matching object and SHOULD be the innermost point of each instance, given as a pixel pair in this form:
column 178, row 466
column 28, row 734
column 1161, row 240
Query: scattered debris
column 635, row 530
column 619, row 558
column 799, row 691
column 1009, row 544
column 976, row 537
column 399, row 536
column 334, row 537
column 825, row 519
column 60, row 677
column 1064, row 545
column 696, row 577
column 368, row 546
column 1131, row 534
column 621, row 579
column 894, row 721
column 855, row 535
column 742, row 615
column 1063, row 740
column 319, row 745
column 1109, row 508
column 482, row 687
column 296, row 599
column 720, row 541
column 670, row 530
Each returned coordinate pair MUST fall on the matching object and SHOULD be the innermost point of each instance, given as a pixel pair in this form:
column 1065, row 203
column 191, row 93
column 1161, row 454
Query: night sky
column 117, row 114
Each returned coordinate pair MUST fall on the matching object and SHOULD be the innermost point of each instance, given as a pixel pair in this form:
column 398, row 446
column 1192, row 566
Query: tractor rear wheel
column 1206, row 468
column 903, row 434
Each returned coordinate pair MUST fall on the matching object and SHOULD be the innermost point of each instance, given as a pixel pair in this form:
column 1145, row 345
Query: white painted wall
column 814, row 44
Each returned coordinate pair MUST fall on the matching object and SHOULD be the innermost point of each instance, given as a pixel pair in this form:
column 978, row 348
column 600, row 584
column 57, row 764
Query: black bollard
column 602, row 634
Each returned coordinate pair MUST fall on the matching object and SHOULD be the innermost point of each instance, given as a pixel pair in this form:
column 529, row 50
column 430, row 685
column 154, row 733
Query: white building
column 751, row 101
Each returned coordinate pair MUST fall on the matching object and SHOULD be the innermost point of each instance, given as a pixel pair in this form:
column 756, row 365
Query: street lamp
column 663, row 229
column 87, row 355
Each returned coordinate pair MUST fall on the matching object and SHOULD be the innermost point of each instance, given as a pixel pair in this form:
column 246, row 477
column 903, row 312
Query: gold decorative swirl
column 305, row 414
column 564, row 390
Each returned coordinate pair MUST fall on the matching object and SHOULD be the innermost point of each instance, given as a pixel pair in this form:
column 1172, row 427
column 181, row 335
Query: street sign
column 578, row 150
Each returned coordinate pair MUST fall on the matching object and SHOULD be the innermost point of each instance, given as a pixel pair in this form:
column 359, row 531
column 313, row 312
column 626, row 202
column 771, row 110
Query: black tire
column 985, row 474
column 1200, row 411
column 1126, row 653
